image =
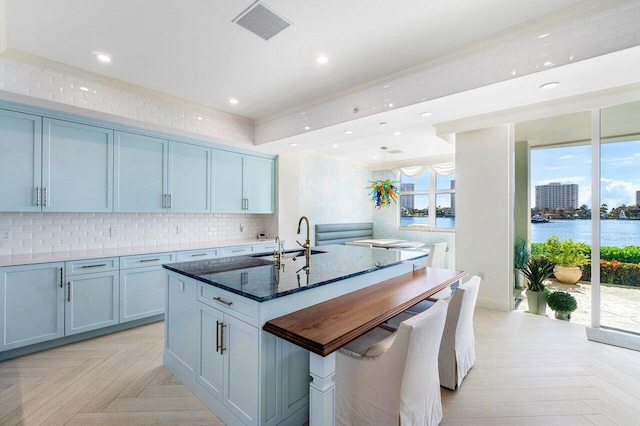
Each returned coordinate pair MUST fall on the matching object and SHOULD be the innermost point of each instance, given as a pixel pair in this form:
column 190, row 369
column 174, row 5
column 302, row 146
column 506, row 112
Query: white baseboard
column 495, row 305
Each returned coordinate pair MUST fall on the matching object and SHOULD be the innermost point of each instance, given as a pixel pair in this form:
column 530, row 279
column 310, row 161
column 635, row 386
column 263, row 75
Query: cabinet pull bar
column 247, row 204
column 149, row 260
column 170, row 202
column 198, row 254
column 69, row 291
column 237, row 250
column 218, row 345
column 94, row 266
column 61, row 284
column 221, row 300
column 222, row 348
column 37, row 196
column 45, row 197
column 164, row 201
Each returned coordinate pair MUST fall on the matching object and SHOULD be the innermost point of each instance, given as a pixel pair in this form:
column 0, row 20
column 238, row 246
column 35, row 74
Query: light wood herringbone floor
column 530, row 371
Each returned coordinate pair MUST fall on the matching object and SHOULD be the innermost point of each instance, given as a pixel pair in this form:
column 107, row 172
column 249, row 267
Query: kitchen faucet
column 307, row 244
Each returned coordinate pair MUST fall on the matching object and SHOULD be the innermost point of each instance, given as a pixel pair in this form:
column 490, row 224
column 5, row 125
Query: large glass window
column 427, row 201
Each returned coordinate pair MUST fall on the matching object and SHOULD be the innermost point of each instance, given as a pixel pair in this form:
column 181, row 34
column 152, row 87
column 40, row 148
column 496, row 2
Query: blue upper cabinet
column 141, row 183
column 242, row 183
column 77, row 167
column 20, row 161
column 189, row 178
column 228, row 177
column 259, row 184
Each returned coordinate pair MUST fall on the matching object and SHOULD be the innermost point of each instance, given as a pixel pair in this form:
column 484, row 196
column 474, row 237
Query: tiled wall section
column 54, row 232
column 609, row 26
column 43, row 79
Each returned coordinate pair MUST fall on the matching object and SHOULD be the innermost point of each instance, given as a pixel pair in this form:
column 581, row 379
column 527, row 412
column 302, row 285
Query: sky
column 620, row 171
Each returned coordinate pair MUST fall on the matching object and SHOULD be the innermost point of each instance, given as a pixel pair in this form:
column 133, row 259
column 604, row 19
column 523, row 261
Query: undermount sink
column 289, row 254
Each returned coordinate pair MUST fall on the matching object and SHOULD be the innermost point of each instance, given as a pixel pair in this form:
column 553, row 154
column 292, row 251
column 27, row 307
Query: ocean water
column 614, row 233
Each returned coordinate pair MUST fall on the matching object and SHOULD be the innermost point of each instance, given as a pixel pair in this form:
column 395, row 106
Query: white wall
column 484, row 211
column 326, row 189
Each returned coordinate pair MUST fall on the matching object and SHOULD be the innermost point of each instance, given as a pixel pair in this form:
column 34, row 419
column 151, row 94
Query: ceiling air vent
column 394, row 151
column 261, row 21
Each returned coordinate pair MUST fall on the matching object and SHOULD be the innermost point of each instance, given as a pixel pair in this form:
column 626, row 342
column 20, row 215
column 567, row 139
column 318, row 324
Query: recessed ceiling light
column 426, row 114
column 390, row 105
column 348, row 132
column 543, row 35
column 335, row 145
column 293, row 144
column 550, row 85
column 307, row 127
column 84, row 89
column 397, row 133
column 233, row 101
column 198, row 118
column 383, row 123
column 322, row 59
column 103, row 57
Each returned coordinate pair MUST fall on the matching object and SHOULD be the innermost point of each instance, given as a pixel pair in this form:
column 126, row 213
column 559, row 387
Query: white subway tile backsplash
column 55, row 232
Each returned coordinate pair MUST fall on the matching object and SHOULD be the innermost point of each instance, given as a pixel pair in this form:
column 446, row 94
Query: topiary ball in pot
column 563, row 303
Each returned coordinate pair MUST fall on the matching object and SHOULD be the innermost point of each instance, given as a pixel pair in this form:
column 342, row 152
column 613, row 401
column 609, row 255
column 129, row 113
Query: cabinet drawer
column 265, row 248
column 238, row 306
column 86, row 266
column 235, row 251
column 193, row 255
column 146, row 260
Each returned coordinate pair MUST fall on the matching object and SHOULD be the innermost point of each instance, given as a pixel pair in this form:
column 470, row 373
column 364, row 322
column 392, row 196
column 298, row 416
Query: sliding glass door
column 619, row 240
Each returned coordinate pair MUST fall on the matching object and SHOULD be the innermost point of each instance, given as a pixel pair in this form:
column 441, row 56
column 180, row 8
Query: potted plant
column 537, row 271
column 563, row 303
column 521, row 256
column 568, row 257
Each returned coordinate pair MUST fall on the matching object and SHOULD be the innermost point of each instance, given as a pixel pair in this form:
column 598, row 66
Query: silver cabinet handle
column 220, row 337
column 37, row 196
column 164, row 201
column 69, row 291
column 198, row 254
column 94, row 266
column 61, row 284
column 221, row 300
column 170, row 202
column 45, row 197
column 247, row 204
column 237, row 250
column 150, row 260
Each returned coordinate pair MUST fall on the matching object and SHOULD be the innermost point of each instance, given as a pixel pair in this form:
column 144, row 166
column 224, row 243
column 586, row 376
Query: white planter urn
column 567, row 274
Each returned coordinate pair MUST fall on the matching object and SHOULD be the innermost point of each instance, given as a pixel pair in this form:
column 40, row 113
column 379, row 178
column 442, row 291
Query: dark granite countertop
column 258, row 277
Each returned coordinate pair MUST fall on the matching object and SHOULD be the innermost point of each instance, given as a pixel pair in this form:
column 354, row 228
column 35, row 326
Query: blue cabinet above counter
column 63, row 163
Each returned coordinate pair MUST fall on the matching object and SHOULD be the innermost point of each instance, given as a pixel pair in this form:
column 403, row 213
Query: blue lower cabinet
column 92, row 302
column 210, row 359
column 32, row 304
column 141, row 292
column 180, row 338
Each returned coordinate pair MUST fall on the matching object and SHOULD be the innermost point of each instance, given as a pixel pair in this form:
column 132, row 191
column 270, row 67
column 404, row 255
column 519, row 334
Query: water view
column 614, row 233
column 441, row 222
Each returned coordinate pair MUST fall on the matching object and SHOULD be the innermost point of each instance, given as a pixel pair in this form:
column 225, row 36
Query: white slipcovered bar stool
column 390, row 378
column 457, row 350
column 436, row 255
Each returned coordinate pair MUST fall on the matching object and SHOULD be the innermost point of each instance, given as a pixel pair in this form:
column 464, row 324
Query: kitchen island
column 216, row 310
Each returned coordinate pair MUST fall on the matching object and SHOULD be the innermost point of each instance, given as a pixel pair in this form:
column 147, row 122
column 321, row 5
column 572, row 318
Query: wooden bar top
column 327, row 326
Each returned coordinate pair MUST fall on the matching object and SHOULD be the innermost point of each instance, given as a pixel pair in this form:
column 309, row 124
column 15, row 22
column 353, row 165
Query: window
column 418, row 193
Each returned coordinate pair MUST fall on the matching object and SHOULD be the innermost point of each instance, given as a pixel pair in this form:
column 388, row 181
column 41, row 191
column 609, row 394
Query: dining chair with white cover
column 457, row 349
column 437, row 252
column 390, row 378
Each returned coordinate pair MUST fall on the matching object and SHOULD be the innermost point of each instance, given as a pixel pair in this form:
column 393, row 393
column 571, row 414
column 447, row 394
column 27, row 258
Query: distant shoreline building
column 638, row 198
column 556, row 195
column 407, row 201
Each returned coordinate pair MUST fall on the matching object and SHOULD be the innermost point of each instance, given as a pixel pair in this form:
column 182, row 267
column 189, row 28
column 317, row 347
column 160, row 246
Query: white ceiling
column 190, row 49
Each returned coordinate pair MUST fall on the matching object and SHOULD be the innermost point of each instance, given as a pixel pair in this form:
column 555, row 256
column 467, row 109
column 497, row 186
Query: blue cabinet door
column 228, row 182
column 210, row 362
column 141, row 292
column 259, row 185
column 140, row 173
column 20, row 161
column 77, row 167
column 181, row 321
column 92, row 302
column 31, row 298
column 189, row 178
